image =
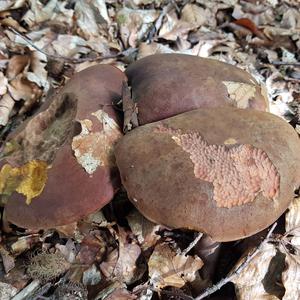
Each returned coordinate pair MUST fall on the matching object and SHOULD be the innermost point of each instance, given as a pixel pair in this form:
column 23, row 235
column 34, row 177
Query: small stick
column 65, row 58
column 28, row 290
column 282, row 63
column 192, row 244
column 238, row 270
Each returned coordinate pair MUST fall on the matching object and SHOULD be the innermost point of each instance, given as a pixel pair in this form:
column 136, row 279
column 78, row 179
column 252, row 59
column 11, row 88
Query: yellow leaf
column 29, row 179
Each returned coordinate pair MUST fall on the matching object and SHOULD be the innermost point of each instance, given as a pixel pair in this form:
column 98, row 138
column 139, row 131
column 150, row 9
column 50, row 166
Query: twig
column 192, row 244
column 238, row 270
column 70, row 59
column 28, row 290
column 282, row 63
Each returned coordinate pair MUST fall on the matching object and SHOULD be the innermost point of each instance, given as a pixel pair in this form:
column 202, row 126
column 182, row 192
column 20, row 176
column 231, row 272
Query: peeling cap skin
column 165, row 85
column 226, row 172
column 74, row 133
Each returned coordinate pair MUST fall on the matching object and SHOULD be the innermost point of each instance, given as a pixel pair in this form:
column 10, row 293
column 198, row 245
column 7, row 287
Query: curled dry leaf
column 52, row 10
column 70, row 46
column 129, row 252
column 120, row 294
column 6, row 105
column 249, row 283
column 134, row 24
column 291, row 275
column 143, row 229
column 241, row 93
column 167, row 268
column 7, row 259
column 152, row 48
column 89, row 16
column 7, row 291
column 91, row 276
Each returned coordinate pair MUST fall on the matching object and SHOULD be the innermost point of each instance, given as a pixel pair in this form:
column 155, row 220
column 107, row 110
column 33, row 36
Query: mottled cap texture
column 74, row 133
column 165, row 85
column 227, row 172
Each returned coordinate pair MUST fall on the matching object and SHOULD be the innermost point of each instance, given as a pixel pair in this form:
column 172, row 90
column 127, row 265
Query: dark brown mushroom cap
column 69, row 195
column 165, row 85
column 227, row 172
column 76, row 185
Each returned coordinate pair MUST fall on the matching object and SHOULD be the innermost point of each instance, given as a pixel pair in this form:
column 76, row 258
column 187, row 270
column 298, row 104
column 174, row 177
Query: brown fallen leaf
column 6, row 105
column 126, row 267
column 166, row 268
column 291, row 275
column 247, row 23
column 249, row 283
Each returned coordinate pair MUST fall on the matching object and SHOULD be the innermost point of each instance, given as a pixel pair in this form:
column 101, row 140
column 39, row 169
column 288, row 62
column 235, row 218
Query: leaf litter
column 102, row 257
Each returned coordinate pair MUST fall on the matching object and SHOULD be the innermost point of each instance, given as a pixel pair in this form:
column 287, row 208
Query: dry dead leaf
column 108, row 266
column 291, row 276
column 70, row 46
column 152, row 48
column 7, row 291
column 6, row 105
column 22, row 88
column 3, row 84
column 166, row 268
column 129, row 252
column 173, row 28
column 7, row 259
column 88, row 17
column 52, row 10
column 16, row 65
column 249, row 283
column 144, row 229
column 240, row 92
column 194, row 15
column 91, row 276
column 134, row 24
column 120, row 294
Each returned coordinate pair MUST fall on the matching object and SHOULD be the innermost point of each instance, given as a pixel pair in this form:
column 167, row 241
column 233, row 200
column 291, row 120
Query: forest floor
column 116, row 253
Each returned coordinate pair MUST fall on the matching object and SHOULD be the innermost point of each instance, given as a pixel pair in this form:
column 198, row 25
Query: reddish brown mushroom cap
column 165, row 85
column 82, row 176
column 227, row 172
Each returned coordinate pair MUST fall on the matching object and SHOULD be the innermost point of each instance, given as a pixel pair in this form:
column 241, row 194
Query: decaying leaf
column 28, row 180
column 7, row 291
column 134, row 24
column 152, row 48
column 7, row 260
column 249, row 283
column 6, row 105
column 166, row 268
column 53, row 9
column 126, row 268
column 240, row 92
column 291, row 276
column 91, row 276
column 144, row 229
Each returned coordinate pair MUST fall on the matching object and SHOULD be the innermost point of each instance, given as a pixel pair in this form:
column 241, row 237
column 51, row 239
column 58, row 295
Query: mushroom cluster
column 207, row 156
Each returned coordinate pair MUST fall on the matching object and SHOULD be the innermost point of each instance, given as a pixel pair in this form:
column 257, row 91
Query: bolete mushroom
column 227, row 172
column 61, row 160
column 165, row 85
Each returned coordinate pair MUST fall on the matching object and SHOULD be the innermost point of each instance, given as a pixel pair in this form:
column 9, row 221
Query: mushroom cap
column 227, row 172
column 82, row 176
column 165, row 85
